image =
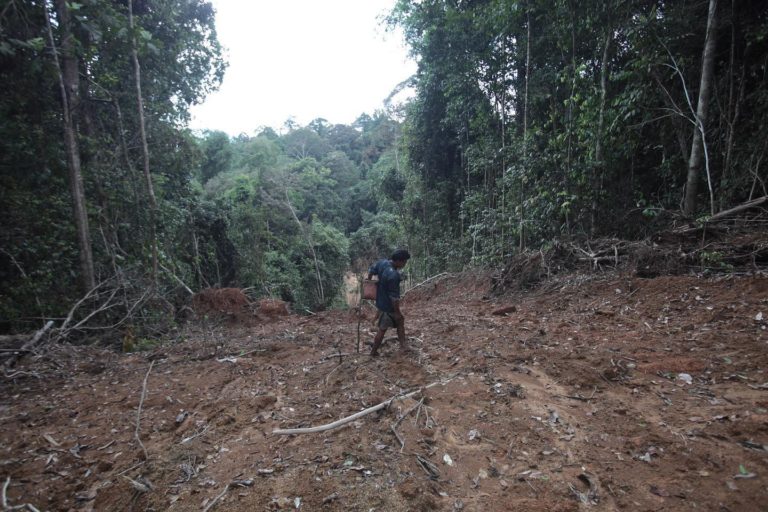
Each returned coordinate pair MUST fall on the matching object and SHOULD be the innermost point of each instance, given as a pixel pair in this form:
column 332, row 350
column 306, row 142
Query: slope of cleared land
column 601, row 393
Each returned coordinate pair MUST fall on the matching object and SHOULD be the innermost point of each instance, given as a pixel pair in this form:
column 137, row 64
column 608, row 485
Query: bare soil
column 596, row 393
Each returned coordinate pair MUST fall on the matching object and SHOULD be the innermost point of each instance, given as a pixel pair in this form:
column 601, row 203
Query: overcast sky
column 303, row 59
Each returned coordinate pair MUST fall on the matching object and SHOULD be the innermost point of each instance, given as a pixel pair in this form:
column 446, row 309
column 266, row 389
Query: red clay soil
column 602, row 393
column 220, row 302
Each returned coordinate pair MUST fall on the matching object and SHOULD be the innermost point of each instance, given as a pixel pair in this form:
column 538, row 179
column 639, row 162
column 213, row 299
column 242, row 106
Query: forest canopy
column 531, row 121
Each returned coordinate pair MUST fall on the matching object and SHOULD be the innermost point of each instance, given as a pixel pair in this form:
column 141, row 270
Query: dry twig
column 424, row 282
column 348, row 419
column 137, row 434
column 398, row 436
column 213, row 502
column 28, row 346
column 6, row 506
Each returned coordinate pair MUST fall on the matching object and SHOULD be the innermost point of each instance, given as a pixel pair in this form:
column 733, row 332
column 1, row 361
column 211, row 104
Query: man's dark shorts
column 386, row 321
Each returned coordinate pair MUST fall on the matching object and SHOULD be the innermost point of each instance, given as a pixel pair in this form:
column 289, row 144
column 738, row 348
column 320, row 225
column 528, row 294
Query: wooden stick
column 331, row 373
column 186, row 288
column 359, row 319
column 6, row 506
column 27, row 347
column 348, row 419
column 425, row 282
column 409, row 411
column 399, row 438
column 138, row 412
column 739, row 208
column 338, row 354
column 400, row 420
column 216, row 499
column 5, row 488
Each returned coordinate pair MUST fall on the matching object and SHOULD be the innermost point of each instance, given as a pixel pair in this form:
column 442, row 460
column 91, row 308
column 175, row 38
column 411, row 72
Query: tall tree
column 144, row 145
column 699, row 156
column 69, row 87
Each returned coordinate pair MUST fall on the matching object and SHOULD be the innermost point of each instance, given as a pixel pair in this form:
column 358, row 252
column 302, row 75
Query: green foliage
column 513, row 153
column 377, row 237
column 217, row 155
column 496, row 153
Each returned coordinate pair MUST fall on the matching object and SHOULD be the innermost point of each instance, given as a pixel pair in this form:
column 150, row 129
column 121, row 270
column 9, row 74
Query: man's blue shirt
column 388, row 287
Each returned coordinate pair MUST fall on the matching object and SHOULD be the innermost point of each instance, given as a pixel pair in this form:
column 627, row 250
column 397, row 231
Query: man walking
column 388, row 298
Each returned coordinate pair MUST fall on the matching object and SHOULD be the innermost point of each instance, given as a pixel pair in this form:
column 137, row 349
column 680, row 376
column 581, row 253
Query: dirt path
column 600, row 394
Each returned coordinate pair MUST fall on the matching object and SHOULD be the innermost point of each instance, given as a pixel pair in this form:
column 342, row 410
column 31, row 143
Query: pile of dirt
column 222, row 303
column 273, row 308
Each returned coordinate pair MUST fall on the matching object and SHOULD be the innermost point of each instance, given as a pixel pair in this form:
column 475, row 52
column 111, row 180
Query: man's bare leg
column 377, row 341
column 401, row 334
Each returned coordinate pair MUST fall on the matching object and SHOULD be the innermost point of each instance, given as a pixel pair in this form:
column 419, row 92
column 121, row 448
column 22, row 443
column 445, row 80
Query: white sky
column 303, row 59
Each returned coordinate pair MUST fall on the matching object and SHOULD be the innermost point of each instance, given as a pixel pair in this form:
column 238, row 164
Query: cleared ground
column 600, row 393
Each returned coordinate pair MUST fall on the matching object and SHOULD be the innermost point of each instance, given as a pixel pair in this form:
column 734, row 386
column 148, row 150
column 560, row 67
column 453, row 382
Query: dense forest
column 531, row 121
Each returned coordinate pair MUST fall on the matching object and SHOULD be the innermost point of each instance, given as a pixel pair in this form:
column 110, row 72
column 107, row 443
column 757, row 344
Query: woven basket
column 369, row 289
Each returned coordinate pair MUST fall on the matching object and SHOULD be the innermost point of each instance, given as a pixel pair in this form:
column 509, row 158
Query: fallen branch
column 137, row 434
column 399, row 438
column 348, row 419
column 400, row 420
column 409, row 411
column 429, row 468
column 28, row 346
column 337, row 354
column 331, row 373
column 740, row 208
column 71, row 313
column 195, row 435
column 5, row 489
column 217, row 498
column 187, row 288
column 425, row 282
column 17, row 373
column 359, row 319
column 426, row 416
column 6, row 506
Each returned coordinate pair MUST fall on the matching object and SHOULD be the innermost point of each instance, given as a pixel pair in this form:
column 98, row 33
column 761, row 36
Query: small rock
column 504, row 311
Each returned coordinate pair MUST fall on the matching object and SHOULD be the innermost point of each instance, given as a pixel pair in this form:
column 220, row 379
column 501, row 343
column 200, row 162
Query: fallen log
column 28, row 346
column 425, row 282
column 737, row 209
column 349, row 419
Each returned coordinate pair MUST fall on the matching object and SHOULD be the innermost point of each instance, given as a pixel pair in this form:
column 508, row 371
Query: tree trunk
column 734, row 110
column 597, row 184
column 569, row 154
column 144, row 145
column 705, row 88
column 69, row 88
column 521, row 228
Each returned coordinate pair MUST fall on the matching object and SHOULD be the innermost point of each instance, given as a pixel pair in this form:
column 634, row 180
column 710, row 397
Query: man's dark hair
column 400, row 255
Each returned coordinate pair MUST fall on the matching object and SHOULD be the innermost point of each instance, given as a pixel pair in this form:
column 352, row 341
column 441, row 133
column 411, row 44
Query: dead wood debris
column 721, row 244
column 429, row 468
column 28, row 347
column 6, row 506
column 137, row 432
column 348, row 419
column 234, row 483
